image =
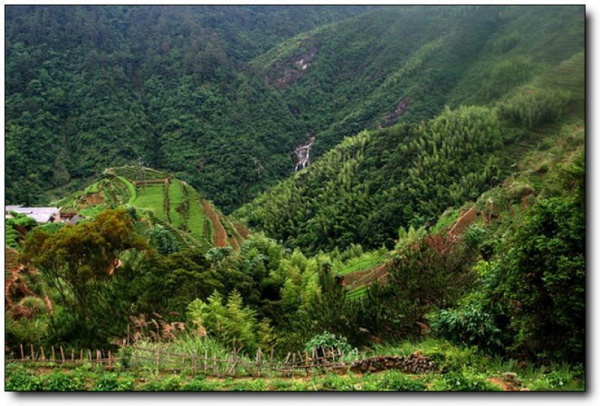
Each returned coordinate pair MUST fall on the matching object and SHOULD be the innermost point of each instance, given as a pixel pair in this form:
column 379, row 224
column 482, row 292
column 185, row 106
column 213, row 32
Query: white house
column 39, row 214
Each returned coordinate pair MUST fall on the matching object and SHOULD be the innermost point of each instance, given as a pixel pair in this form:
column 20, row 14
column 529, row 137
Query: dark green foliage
column 92, row 87
column 60, row 382
column 164, row 241
column 543, row 278
column 221, row 96
column 333, row 382
column 198, row 384
column 325, row 344
column 169, row 283
column 170, row 384
column 471, row 325
column 19, row 380
column 530, row 298
column 84, row 265
column 429, row 275
column 375, row 182
column 218, row 97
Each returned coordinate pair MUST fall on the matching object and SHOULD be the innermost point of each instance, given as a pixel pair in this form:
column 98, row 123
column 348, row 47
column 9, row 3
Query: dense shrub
column 431, row 274
column 534, row 108
column 327, row 343
column 469, row 324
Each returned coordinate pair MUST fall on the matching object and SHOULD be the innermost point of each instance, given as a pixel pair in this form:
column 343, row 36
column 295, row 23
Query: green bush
column 60, row 382
column 198, row 384
column 534, row 108
column 471, row 325
column 113, row 382
column 542, row 280
column 397, row 381
column 336, row 383
column 326, row 343
column 19, row 380
column 169, row 384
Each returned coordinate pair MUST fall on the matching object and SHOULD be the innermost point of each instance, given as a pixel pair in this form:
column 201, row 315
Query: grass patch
column 177, row 205
column 93, row 211
column 365, row 261
column 130, row 189
column 196, row 217
column 358, row 292
column 446, row 220
column 151, row 198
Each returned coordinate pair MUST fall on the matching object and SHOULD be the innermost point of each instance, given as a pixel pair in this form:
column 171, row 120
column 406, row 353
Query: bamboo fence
column 233, row 365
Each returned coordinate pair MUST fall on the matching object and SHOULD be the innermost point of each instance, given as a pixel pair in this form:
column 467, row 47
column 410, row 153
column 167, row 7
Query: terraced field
column 220, row 235
column 11, row 237
column 360, row 272
column 151, row 197
column 178, row 205
column 170, row 202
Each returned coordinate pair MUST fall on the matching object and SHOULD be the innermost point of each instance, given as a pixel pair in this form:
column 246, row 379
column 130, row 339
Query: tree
column 231, row 323
column 82, row 263
column 543, row 280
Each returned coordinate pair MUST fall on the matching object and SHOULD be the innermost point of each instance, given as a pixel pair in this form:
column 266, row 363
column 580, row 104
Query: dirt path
column 220, row 235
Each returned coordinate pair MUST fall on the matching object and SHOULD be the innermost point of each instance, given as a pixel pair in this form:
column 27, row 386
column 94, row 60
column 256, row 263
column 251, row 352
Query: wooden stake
column 72, row 355
column 53, row 355
column 109, row 359
column 32, row 352
column 194, row 363
column 98, row 357
column 157, row 358
column 205, row 360
column 90, row 355
column 43, row 355
column 62, row 354
column 22, row 352
column 81, row 355
column 306, row 359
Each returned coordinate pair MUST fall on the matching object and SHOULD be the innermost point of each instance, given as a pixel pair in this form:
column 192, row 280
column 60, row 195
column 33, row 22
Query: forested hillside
column 409, row 173
column 220, row 97
column 91, row 87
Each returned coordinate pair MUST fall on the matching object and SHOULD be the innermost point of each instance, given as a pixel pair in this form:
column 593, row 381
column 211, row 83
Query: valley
column 298, row 198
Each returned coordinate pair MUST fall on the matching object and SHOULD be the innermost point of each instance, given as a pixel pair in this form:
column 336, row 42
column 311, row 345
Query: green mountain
column 361, row 191
column 221, row 96
column 92, row 87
